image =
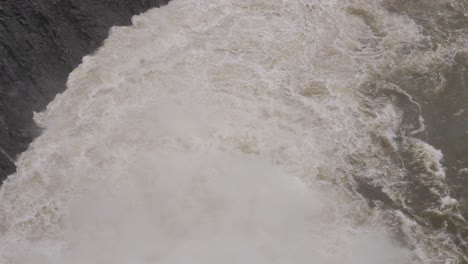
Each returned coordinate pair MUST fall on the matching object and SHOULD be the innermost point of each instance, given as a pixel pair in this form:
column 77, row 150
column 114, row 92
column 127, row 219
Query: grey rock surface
column 41, row 42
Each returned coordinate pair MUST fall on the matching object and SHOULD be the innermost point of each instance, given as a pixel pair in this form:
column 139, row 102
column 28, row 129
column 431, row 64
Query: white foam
column 214, row 131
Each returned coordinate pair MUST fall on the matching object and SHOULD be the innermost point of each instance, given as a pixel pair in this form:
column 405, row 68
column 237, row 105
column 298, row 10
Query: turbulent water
column 259, row 131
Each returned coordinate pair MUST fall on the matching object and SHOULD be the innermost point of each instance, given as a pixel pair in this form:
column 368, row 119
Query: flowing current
column 227, row 131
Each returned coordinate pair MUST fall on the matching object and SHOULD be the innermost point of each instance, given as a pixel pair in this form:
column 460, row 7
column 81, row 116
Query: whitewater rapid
column 230, row 132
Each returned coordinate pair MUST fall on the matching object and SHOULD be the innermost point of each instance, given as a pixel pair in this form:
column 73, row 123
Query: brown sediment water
column 254, row 132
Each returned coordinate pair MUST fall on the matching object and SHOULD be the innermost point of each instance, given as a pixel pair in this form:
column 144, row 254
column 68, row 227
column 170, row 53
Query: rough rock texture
column 41, row 42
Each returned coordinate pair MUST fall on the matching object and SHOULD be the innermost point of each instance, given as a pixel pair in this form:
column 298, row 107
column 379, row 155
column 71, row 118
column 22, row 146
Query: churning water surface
column 259, row 131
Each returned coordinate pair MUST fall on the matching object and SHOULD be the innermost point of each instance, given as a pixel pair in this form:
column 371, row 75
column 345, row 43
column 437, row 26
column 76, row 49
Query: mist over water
column 237, row 132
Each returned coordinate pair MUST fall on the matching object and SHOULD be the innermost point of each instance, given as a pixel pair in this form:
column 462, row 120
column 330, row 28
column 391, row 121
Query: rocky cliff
column 41, row 42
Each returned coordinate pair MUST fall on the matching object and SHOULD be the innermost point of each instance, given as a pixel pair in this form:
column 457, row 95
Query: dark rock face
column 41, row 42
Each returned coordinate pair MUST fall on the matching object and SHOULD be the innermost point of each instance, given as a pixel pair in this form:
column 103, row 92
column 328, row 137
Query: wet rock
column 41, row 42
